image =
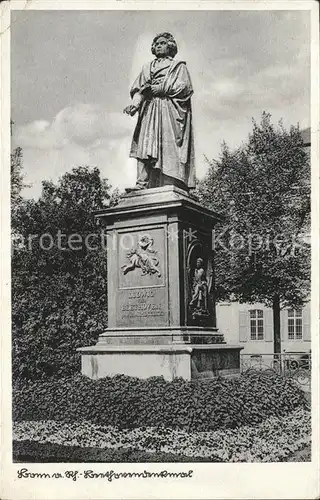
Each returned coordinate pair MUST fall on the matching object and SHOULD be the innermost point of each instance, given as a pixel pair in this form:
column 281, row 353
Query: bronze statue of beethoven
column 163, row 138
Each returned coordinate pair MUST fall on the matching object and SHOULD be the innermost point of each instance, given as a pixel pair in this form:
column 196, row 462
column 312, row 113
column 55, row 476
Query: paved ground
column 303, row 455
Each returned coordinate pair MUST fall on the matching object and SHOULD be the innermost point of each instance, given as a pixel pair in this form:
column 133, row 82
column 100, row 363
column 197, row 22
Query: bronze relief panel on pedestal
column 142, row 291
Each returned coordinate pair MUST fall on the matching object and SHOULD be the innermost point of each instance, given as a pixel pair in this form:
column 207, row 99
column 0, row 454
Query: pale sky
column 71, row 73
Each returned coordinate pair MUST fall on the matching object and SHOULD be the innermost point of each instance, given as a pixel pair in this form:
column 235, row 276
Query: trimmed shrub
column 127, row 402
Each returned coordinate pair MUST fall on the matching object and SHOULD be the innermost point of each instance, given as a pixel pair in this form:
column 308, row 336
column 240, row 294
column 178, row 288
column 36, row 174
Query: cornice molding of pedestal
column 155, row 200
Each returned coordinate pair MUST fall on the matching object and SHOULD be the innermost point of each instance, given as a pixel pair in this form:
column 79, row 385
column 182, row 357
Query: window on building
column 256, row 324
column 295, row 324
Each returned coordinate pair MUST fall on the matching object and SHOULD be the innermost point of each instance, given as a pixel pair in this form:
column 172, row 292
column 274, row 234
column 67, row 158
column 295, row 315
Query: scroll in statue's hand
column 130, row 110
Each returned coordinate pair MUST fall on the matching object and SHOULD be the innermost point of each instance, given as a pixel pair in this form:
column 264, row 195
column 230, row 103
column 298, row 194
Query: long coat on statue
column 163, row 134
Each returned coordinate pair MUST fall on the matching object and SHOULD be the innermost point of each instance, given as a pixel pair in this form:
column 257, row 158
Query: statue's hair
column 172, row 44
column 200, row 258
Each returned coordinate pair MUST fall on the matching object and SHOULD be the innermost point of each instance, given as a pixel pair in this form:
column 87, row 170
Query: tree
column 263, row 188
column 59, row 275
column 17, row 183
column 16, row 175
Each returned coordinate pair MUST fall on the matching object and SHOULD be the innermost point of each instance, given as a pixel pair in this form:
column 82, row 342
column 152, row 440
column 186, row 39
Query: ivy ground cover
column 270, row 441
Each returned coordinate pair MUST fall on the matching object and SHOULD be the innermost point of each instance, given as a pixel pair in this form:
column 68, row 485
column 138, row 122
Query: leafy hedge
column 127, row 402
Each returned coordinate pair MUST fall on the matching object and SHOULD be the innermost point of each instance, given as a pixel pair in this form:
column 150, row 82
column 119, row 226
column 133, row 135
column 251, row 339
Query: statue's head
column 200, row 262
column 145, row 241
column 164, row 44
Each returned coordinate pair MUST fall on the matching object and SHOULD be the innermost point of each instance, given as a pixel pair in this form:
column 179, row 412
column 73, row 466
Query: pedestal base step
column 144, row 361
column 161, row 336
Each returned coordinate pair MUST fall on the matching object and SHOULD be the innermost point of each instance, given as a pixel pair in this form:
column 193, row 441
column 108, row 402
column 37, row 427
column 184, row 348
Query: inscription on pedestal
column 143, row 307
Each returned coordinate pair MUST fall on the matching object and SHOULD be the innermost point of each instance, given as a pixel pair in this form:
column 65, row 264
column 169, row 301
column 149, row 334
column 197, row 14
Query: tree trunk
column 276, row 324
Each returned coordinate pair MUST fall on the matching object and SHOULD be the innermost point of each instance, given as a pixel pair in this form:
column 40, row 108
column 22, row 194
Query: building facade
column 251, row 326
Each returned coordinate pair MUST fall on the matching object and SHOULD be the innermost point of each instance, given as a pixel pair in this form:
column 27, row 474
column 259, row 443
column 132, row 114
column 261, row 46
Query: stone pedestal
column 161, row 311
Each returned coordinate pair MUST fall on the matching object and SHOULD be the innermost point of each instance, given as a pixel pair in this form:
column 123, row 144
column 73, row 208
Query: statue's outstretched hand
column 130, row 110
